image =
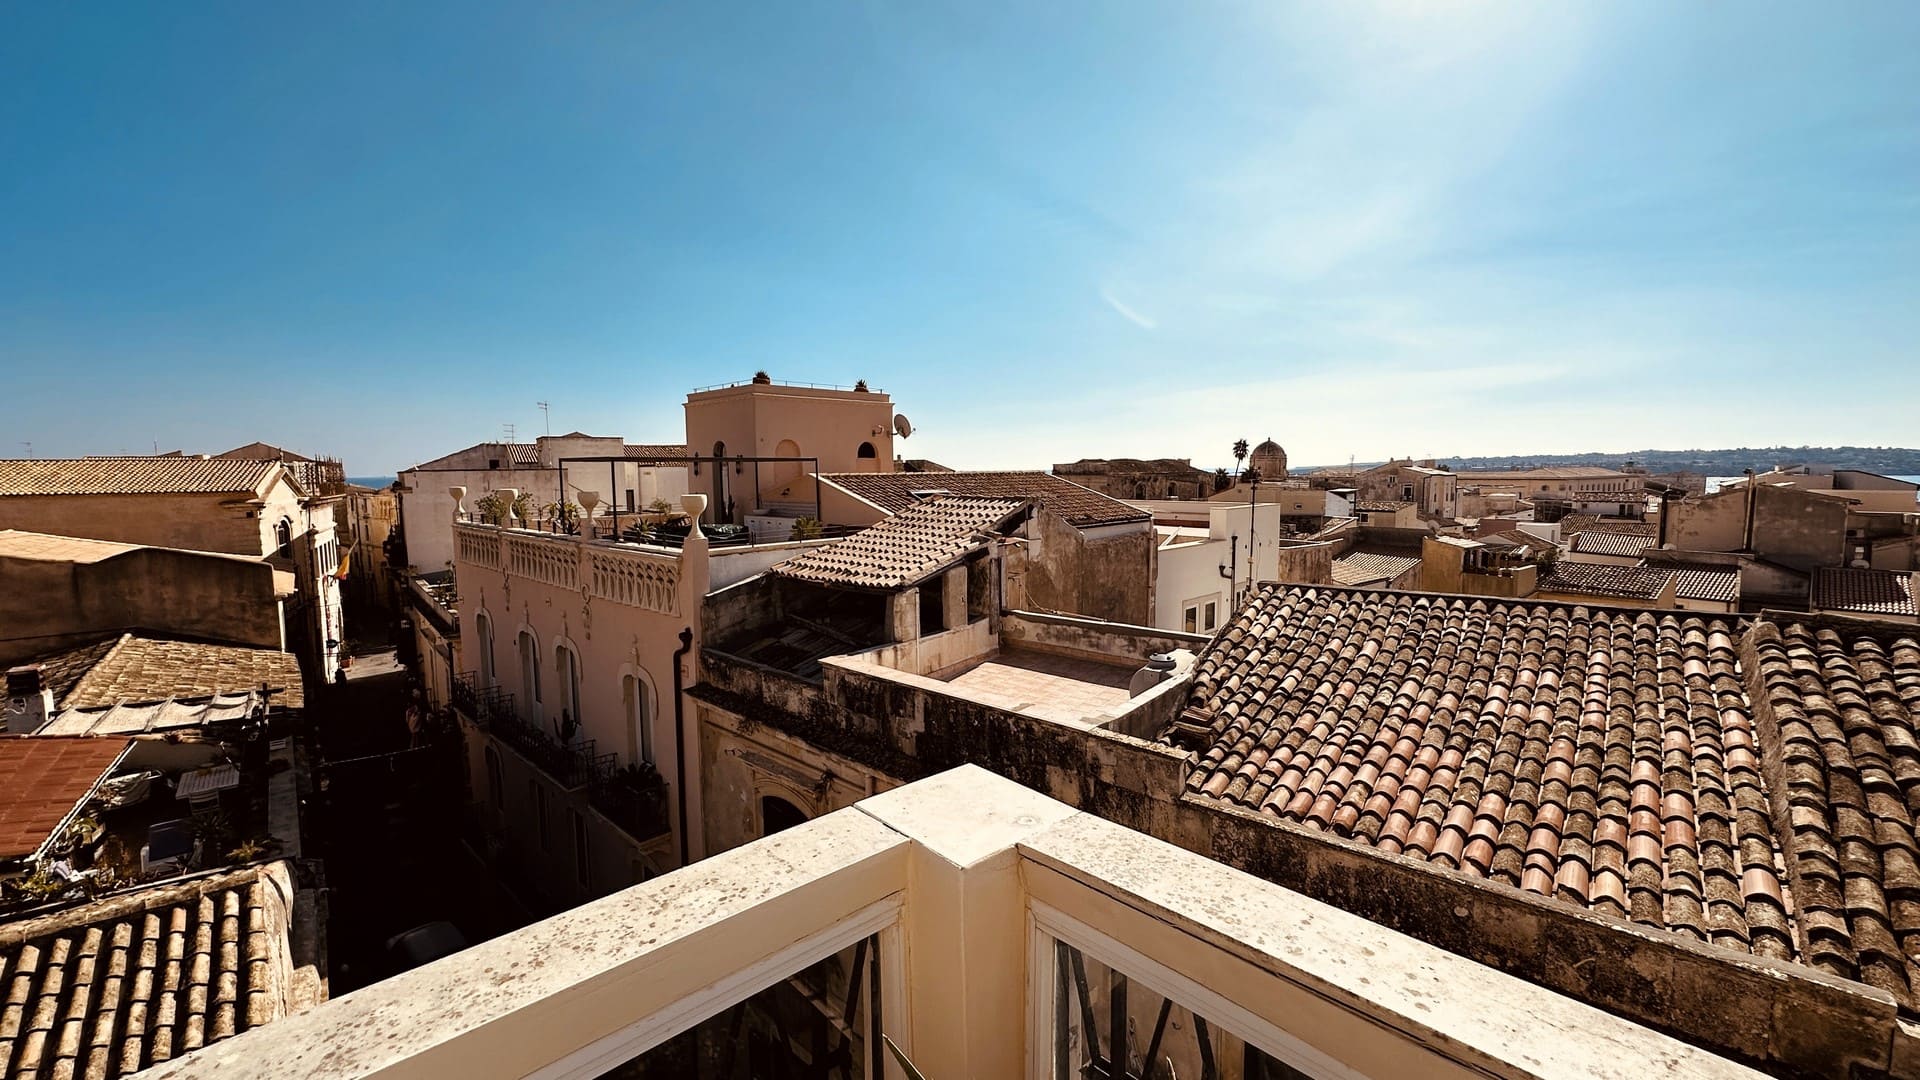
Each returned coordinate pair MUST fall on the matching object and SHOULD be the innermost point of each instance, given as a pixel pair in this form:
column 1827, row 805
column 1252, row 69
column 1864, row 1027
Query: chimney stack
column 29, row 699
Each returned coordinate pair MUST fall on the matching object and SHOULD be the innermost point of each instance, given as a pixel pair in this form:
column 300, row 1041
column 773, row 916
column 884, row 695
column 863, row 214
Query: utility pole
column 546, row 415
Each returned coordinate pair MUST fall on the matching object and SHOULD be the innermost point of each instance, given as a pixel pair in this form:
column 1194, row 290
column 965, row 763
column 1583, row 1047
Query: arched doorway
column 869, row 458
column 778, row 815
column 782, row 471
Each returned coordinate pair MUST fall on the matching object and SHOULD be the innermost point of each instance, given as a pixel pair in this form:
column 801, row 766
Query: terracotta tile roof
column 1608, row 543
column 1579, row 523
column 1866, row 592
column 49, row 547
column 42, row 780
column 1604, row 759
column 1705, row 583
column 111, row 987
column 139, row 668
column 1382, row 506
column 1837, row 709
column 905, row 549
column 650, row 451
column 1594, row 579
column 61, row 670
column 1363, row 568
column 1081, row 507
column 132, row 476
column 1514, row 538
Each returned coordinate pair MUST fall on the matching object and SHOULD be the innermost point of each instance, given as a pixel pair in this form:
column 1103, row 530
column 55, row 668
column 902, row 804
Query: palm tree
column 1239, row 456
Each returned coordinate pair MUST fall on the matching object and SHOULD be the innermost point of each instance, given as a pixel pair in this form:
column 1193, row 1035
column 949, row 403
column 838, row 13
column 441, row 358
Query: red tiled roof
column 1705, row 583
column 132, row 476
column 112, row 987
column 1837, row 708
column 42, row 780
column 1363, row 568
column 1595, row 579
column 906, row 548
column 1081, row 507
column 1605, row 759
column 1582, row 523
column 654, row 451
column 1382, row 506
column 1593, row 542
column 1867, row 592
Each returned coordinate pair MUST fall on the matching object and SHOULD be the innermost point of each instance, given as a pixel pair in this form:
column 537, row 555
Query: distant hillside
column 1891, row 460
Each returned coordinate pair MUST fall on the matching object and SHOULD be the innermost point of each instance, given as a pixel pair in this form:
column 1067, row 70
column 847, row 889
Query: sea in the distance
column 372, row 481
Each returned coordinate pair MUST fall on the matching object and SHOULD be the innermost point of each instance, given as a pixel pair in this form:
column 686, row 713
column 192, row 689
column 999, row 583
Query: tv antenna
column 546, row 415
column 507, row 432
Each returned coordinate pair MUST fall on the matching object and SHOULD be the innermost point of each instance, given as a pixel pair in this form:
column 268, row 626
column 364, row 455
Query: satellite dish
column 900, row 425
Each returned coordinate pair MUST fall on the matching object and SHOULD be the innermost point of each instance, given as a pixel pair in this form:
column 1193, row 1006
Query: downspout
column 680, row 736
column 1747, row 538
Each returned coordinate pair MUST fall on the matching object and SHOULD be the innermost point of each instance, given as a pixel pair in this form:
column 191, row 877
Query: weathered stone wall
column 46, row 606
column 1102, row 573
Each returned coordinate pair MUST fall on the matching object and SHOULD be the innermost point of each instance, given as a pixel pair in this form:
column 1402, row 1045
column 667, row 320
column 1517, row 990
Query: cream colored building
column 1433, row 491
column 625, row 478
column 795, row 430
column 239, row 506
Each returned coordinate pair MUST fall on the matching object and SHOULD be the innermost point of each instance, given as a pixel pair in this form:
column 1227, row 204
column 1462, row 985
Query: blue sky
column 1050, row 230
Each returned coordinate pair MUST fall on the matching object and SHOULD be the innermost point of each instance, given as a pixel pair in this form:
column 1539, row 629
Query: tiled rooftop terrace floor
column 1058, row 688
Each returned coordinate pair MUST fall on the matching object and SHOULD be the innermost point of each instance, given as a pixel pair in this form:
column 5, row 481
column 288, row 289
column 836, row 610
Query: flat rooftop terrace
column 1063, row 689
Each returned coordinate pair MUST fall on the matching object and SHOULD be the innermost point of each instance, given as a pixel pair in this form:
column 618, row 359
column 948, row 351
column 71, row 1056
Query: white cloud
column 1136, row 318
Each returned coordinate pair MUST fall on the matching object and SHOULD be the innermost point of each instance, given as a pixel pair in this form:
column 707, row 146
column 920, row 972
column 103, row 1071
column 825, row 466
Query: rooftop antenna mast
column 508, row 432
column 29, row 447
column 545, row 415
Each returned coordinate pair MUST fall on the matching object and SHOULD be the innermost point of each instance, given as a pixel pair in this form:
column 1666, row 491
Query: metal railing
column 491, row 709
column 635, row 800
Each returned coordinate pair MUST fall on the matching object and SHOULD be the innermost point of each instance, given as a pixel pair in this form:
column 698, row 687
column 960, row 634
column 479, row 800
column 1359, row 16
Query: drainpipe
column 1747, row 539
column 680, row 737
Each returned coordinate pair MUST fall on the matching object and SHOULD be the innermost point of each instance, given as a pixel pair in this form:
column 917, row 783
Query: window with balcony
column 483, row 626
column 582, row 869
column 530, row 677
column 567, row 664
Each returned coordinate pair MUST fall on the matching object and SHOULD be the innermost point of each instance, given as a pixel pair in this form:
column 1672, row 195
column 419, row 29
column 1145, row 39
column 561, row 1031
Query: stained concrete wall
column 46, row 606
column 198, row 522
column 1793, row 527
column 1306, row 563
column 1105, row 573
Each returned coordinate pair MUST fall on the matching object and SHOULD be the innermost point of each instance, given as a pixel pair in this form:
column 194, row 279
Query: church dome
column 1269, row 460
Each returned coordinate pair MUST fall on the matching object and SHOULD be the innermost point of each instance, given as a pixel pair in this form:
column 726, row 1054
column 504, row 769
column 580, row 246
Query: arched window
column 484, row 625
column 866, row 451
column 529, row 678
column 496, row 789
column 636, row 696
column 283, row 538
column 778, row 815
column 566, row 664
column 1139, row 491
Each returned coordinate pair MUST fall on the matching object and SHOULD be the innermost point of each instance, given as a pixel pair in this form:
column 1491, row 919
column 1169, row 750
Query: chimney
column 29, row 699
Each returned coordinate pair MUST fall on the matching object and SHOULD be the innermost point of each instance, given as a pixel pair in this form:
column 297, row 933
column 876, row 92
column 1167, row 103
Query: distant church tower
column 1269, row 461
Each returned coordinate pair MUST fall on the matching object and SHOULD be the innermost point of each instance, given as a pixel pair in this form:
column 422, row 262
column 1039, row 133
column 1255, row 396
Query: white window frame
column 1047, row 924
column 882, row 917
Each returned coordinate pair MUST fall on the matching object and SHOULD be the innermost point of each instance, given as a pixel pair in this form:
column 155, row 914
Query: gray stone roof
column 1866, row 592
column 133, row 476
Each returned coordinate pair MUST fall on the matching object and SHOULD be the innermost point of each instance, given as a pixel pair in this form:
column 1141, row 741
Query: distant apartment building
column 1433, row 491
column 1207, row 562
column 251, row 507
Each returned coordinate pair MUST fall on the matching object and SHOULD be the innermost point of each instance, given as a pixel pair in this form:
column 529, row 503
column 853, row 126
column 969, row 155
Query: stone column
column 903, row 615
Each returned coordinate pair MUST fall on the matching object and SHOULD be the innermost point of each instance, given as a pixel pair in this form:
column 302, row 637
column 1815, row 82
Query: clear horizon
column 1366, row 231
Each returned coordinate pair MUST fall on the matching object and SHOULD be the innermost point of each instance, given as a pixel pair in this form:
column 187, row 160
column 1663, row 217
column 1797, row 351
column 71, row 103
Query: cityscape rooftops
column 135, row 476
column 654, row 451
column 1703, row 582
column 1594, row 542
column 1864, row 592
column 1081, row 507
column 1604, row 759
column 1579, row 523
column 1599, row 580
column 1381, row 506
column 906, row 548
